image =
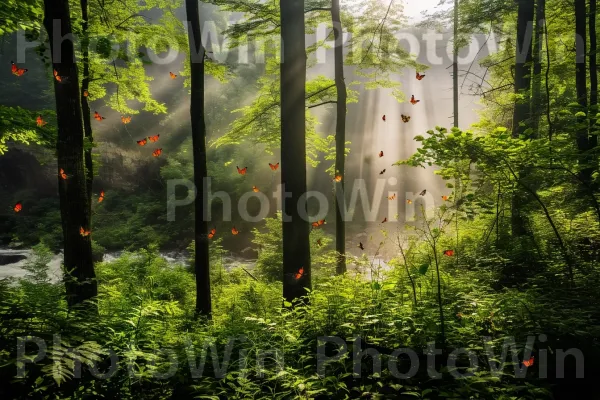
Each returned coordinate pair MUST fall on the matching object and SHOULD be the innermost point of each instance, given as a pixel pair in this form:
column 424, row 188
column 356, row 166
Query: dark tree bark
column 80, row 279
column 582, row 139
column 593, row 72
column 340, row 136
column 523, row 60
column 536, row 102
column 296, row 229
column 85, row 107
column 202, row 258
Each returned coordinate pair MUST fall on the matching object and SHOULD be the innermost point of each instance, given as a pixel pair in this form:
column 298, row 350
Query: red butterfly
column 255, row 189
column 318, row 223
column 273, row 166
column 445, row 198
column 384, row 220
column 360, row 246
column 83, row 232
column 337, row 178
column 448, row 253
column 392, row 197
column 242, row 171
column 85, row 93
column 154, row 138
column 419, row 76
column 528, row 363
column 101, row 198
column 157, row 152
column 234, row 231
column 142, row 142
column 381, row 153
column 60, row 78
column 40, row 121
column 383, row 118
column 16, row 70
column 299, row 274
column 413, row 101
column 212, row 233
column 18, row 207
column 62, row 174
column 125, row 119
column 97, row 116
column 172, row 75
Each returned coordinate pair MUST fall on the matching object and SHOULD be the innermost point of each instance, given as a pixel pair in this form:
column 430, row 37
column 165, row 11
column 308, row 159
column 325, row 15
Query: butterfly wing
column 18, row 207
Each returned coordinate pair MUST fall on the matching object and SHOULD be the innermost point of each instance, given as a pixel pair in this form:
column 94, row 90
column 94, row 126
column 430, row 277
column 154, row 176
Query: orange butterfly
column 423, row 192
column 172, row 75
column 383, row 118
column 16, row 70
column 392, row 197
column 360, row 246
column 18, row 207
column 59, row 78
column 85, row 93
column 319, row 243
column 318, row 223
column 97, row 116
column 408, row 201
column 382, row 172
column 419, row 76
column 273, row 166
column 448, row 253
column 62, row 174
column 299, row 274
column 212, row 233
column 242, row 171
column 142, row 142
column 157, row 152
column 154, row 138
column 40, row 121
column 381, row 153
column 255, row 189
column 101, row 198
column 125, row 119
column 413, row 101
column 405, row 118
column 337, row 178
column 234, row 231
column 445, row 198
column 384, row 220
column 528, row 363
column 83, row 232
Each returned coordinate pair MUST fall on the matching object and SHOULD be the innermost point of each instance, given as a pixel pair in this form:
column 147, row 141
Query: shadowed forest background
column 478, row 153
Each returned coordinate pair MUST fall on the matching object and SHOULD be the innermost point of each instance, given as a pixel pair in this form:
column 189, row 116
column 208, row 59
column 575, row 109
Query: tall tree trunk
column 296, row 229
column 80, row 279
column 536, row 102
column 202, row 257
column 583, row 144
column 455, row 65
column 593, row 73
column 85, row 107
column 525, row 15
column 340, row 136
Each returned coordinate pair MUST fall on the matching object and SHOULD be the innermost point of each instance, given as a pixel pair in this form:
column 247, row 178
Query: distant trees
column 296, row 229
column 201, row 252
column 80, row 277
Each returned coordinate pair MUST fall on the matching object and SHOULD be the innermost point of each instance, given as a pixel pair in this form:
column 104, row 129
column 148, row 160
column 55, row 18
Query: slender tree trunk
column 80, row 279
column 340, row 136
column 202, row 257
column 455, row 65
column 85, row 107
column 593, row 73
column 536, row 103
column 523, row 59
column 296, row 229
column 583, row 144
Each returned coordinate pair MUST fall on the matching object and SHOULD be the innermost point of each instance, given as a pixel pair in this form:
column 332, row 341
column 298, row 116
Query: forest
column 299, row 199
